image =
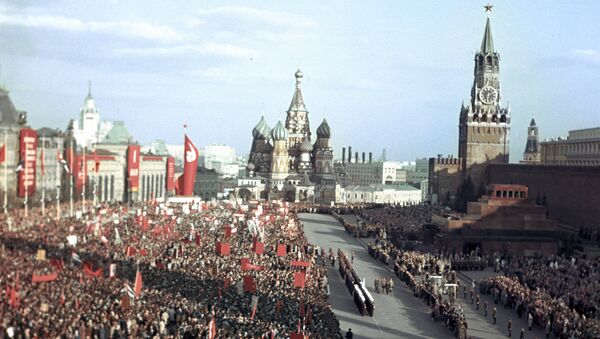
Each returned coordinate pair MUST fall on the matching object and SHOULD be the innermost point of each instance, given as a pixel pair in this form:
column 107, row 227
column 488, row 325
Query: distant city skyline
column 386, row 75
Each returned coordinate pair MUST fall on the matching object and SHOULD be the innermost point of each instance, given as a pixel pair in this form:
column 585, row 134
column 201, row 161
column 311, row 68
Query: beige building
column 381, row 194
column 580, row 148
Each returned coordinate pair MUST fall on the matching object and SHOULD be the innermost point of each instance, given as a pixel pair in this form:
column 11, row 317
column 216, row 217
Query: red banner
column 249, row 284
column 44, row 278
column 299, row 279
column 87, row 269
column 247, row 266
column 80, row 173
column 133, row 167
column 259, row 247
column 170, row 174
column 223, row 248
column 185, row 184
column 281, row 250
column 28, row 156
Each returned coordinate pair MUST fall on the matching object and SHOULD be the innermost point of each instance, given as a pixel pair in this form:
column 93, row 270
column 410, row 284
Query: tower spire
column 89, row 88
column 487, row 44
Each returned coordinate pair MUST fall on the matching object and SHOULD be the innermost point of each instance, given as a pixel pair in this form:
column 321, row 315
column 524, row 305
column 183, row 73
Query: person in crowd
column 152, row 270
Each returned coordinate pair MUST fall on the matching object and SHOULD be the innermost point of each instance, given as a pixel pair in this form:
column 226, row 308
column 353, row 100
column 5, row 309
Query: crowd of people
column 407, row 221
column 561, row 295
column 160, row 270
column 417, row 270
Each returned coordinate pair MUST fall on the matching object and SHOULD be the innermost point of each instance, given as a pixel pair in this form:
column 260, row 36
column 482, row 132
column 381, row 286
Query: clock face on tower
column 488, row 95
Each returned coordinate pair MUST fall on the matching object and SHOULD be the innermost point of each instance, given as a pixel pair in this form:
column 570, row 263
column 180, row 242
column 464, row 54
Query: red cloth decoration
column 44, row 278
column 299, row 279
column 281, row 250
column 249, row 284
column 258, row 247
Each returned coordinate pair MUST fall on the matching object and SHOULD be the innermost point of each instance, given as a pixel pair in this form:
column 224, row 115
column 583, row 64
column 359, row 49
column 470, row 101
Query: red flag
column 42, row 162
column 259, row 247
column 249, row 284
column 246, row 265
column 2, row 154
column 281, row 250
column 301, row 308
column 145, row 223
column 87, row 269
column 138, row 284
column 223, row 248
column 227, row 231
column 226, row 283
column 185, row 186
column 44, row 278
column 14, row 298
column 130, row 251
column 299, row 279
column 198, row 239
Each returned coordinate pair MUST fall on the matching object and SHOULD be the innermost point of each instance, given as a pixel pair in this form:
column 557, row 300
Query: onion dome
column 305, row 146
column 299, row 74
column 261, row 130
column 279, row 132
column 323, row 131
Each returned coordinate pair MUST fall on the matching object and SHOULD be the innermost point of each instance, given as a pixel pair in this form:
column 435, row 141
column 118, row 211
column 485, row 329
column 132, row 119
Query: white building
column 221, row 158
column 382, row 194
column 365, row 173
column 89, row 129
column 176, row 151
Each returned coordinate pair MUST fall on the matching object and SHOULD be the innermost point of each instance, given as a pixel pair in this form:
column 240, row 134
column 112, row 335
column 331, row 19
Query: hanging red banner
column 133, row 167
column 170, row 174
column 28, row 154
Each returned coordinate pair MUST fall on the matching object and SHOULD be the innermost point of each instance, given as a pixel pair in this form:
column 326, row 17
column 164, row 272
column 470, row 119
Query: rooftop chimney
column 349, row 154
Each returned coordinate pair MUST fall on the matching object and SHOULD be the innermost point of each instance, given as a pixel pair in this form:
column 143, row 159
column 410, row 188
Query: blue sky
column 385, row 73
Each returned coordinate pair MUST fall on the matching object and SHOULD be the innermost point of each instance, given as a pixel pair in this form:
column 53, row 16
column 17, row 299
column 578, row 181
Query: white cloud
column 269, row 17
column 201, row 48
column 126, row 28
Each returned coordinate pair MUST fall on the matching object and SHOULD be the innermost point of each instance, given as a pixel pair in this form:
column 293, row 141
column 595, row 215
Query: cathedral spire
column 487, row 44
column 297, row 103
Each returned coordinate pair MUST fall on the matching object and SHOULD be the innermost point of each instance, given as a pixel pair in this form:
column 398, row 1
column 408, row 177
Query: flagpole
column 58, row 187
column 95, row 179
column 5, row 172
column 25, row 181
column 84, row 167
column 43, row 176
column 72, row 180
